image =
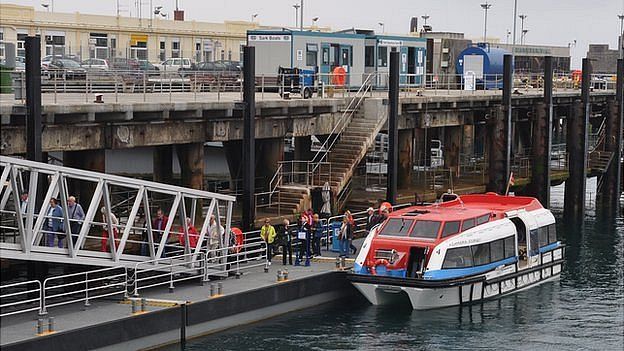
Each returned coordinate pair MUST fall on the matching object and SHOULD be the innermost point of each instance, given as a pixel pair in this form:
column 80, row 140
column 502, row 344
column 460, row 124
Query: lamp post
column 523, row 38
column 508, row 33
column 296, row 6
column 485, row 7
column 383, row 27
column 522, row 18
column 425, row 18
column 301, row 16
column 621, row 42
column 514, row 22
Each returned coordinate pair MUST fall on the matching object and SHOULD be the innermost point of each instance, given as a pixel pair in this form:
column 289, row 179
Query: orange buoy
column 339, row 76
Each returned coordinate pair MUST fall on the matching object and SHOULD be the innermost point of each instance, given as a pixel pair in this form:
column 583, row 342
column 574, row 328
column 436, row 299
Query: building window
column 369, row 56
column 311, row 55
column 21, row 39
column 208, row 48
column 139, row 50
column 229, row 55
column 55, row 44
column 162, row 56
column 113, row 47
column 98, row 46
column 198, row 51
column 382, row 56
column 2, row 44
column 325, row 56
column 175, row 48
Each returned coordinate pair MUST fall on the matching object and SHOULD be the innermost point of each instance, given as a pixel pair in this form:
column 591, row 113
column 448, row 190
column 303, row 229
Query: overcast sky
column 550, row 22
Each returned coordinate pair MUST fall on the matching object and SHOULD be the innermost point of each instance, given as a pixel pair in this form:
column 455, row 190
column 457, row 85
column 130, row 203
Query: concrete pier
column 577, row 145
column 191, row 158
column 163, row 164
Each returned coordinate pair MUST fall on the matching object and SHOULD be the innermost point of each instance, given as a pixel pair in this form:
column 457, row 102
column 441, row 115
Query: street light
column 296, row 6
column 383, row 27
column 314, row 21
column 522, row 18
column 523, row 38
column 253, row 17
column 621, row 48
column 425, row 18
column 485, row 7
column 508, row 33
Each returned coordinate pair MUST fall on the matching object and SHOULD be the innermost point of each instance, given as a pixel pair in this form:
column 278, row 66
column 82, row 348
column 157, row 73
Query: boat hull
column 424, row 294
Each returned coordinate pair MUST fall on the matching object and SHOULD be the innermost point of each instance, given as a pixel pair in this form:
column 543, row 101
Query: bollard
column 135, row 306
column 280, row 276
column 212, row 290
column 39, row 326
column 285, row 275
column 343, row 263
column 337, row 262
column 220, row 289
column 51, row 325
column 143, row 305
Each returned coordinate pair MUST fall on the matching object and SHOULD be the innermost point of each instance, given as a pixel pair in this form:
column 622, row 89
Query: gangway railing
column 105, row 236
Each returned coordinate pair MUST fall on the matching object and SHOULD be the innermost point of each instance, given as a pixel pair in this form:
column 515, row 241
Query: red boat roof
column 470, row 206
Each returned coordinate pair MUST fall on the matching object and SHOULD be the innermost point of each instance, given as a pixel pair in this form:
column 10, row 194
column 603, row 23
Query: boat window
column 533, row 244
column 468, row 223
column 397, row 227
column 481, row 254
column 552, row 233
column 450, row 228
column 483, row 219
column 542, row 234
column 459, row 257
column 426, row 229
column 510, row 246
column 497, row 250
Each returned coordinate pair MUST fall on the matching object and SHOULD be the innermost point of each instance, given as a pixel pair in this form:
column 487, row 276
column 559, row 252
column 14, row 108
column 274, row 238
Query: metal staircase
column 334, row 162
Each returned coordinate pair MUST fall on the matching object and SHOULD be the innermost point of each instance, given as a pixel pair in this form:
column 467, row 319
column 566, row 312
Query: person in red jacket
column 192, row 234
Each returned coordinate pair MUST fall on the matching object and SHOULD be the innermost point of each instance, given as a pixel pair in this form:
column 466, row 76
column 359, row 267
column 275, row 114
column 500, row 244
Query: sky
column 549, row 22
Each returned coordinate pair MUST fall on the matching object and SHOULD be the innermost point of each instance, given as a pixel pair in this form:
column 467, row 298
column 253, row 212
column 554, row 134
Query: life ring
column 339, row 76
column 379, row 261
column 238, row 239
column 385, row 205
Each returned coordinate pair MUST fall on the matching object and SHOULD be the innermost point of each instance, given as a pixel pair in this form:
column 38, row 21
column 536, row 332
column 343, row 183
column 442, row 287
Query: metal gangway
column 191, row 222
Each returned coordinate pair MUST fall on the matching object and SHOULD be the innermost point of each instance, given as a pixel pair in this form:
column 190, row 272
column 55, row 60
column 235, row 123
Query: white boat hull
column 497, row 283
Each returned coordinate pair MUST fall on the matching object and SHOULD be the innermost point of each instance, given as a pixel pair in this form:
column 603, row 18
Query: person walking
column 192, row 234
column 214, row 236
column 352, row 236
column 285, row 241
column 346, row 234
column 24, row 202
column 105, row 232
column 159, row 223
column 303, row 239
column 317, row 234
column 267, row 233
column 54, row 224
column 372, row 219
column 76, row 216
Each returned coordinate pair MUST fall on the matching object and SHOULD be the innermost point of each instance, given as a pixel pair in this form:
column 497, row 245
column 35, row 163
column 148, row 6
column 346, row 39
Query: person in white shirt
column 24, row 202
column 213, row 236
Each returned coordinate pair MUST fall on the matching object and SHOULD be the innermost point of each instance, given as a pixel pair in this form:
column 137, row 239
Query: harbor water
column 583, row 310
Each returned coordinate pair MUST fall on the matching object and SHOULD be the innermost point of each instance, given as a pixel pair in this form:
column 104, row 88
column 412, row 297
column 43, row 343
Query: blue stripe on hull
column 443, row 274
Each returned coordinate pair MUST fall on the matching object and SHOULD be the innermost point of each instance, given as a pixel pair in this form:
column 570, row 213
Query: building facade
column 603, row 59
column 98, row 36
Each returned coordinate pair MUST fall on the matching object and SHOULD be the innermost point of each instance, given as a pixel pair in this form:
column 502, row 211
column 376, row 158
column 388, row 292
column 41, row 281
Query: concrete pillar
column 497, row 142
column 406, row 156
column 467, row 144
column 540, row 170
column 191, row 158
column 270, row 152
column 452, row 145
column 577, row 138
column 163, row 164
column 542, row 139
column 303, row 148
column 90, row 160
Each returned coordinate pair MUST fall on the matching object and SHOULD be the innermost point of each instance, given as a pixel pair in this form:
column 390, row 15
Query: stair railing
column 352, row 107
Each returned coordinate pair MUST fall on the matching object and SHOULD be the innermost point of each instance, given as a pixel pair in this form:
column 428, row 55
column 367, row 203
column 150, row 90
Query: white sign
column 420, row 57
column 388, row 42
column 263, row 37
column 470, row 81
column 299, row 55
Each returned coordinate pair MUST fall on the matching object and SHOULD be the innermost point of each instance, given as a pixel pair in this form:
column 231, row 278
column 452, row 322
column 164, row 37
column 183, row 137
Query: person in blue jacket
column 54, row 224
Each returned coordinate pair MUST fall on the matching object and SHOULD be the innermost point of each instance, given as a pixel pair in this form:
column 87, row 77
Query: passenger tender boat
column 458, row 251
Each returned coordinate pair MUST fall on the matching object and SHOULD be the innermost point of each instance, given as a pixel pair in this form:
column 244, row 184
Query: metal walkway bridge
column 33, row 228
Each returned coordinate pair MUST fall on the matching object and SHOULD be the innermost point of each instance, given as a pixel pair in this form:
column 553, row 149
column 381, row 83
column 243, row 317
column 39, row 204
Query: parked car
column 147, row 66
column 46, row 59
column 95, row 64
column 65, row 68
column 20, row 63
column 123, row 64
column 233, row 66
column 176, row 64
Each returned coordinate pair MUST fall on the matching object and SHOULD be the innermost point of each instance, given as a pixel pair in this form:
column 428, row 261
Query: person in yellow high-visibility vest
column 267, row 233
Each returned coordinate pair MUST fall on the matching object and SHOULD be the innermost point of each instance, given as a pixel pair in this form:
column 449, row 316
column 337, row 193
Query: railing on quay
column 20, row 297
